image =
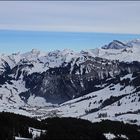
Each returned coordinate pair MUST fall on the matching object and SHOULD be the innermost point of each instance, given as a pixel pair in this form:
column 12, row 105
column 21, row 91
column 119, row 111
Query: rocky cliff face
column 70, row 80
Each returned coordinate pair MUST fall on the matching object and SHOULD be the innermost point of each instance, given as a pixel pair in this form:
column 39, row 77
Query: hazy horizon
column 24, row 41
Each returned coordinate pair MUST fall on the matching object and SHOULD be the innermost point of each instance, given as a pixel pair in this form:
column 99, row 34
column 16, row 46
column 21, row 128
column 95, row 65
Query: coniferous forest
column 12, row 125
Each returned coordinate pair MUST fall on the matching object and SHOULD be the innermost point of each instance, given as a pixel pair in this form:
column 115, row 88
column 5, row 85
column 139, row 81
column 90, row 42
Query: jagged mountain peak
column 90, row 52
column 35, row 52
column 61, row 53
column 115, row 44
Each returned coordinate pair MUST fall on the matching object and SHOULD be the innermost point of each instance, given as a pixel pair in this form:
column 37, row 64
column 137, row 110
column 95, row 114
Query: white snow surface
column 36, row 132
column 109, row 136
column 21, row 138
column 37, row 101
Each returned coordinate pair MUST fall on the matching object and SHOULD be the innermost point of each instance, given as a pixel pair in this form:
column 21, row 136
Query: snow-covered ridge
column 115, row 50
column 41, row 61
column 115, row 44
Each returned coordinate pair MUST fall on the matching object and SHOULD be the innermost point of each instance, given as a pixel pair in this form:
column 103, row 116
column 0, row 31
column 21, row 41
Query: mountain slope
column 116, row 102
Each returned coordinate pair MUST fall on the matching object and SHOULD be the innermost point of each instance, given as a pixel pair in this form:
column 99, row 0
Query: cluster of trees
column 12, row 125
column 71, row 129
column 105, row 103
column 78, row 129
column 115, row 127
column 111, row 100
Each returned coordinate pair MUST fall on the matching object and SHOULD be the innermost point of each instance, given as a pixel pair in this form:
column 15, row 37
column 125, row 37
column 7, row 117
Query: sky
column 51, row 25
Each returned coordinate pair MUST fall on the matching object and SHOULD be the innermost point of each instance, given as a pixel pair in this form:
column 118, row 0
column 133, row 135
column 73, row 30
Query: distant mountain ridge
column 116, row 50
column 115, row 44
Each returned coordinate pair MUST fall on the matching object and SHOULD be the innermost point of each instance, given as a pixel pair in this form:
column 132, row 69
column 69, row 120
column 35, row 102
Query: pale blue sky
column 15, row 41
column 75, row 25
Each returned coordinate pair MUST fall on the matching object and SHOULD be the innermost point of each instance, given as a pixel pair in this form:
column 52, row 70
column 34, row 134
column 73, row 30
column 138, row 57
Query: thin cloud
column 113, row 17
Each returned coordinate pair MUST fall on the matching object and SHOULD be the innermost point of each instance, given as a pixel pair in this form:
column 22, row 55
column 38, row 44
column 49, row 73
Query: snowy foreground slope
column 94, row 84
column 108, row 103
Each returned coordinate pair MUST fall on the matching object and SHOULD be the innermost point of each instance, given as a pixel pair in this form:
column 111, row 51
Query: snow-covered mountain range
column 101, row 83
